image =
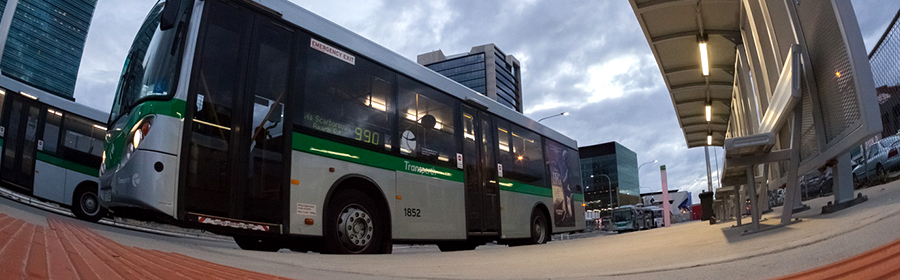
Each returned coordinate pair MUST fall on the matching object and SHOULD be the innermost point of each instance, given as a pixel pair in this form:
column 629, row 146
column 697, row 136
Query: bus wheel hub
column 355, row 227
column 89, row 203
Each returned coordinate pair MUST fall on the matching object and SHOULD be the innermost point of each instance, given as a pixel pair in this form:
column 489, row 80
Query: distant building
column 44, row 42
column 484, row 69
column 610, row 175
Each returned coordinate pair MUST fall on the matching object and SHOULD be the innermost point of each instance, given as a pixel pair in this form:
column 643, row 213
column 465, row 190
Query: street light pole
column 555, row 115
column 609, row 190
column 639, row 171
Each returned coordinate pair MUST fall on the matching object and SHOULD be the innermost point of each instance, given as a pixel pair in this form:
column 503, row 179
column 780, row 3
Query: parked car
column 776, row 197
column 815, row 184
column 882, row 158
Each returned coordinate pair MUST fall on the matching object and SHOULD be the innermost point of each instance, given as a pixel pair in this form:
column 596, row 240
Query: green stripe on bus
column 1, row 141
column 172, row 108
column 321, row 147
column 68, row 164
column 513, row 186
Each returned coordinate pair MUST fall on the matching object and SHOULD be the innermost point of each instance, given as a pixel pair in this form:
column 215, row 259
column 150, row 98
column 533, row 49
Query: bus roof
column 359, row 44
column 15, row 86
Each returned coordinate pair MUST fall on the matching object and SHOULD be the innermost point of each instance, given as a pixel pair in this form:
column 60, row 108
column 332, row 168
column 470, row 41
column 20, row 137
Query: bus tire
column 253, row 243
column 540, row 228
column 86, row 204
column 353, row 225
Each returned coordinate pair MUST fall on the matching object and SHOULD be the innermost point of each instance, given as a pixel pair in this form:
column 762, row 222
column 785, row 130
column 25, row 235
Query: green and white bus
column 266, row 122
column 51, row 148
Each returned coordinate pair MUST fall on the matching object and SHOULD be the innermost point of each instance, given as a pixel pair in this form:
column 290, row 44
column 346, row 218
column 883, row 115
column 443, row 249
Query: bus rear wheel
column 353, row 225
column 86, row 205
column 540, row 228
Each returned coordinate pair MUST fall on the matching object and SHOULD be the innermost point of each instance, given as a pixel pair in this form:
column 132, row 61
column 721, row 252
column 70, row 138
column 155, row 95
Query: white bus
column 631, row 218
column 51, row 148
column 266, row 122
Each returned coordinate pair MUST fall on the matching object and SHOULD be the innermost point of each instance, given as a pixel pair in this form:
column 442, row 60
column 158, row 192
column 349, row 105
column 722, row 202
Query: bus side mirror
column 169, row 14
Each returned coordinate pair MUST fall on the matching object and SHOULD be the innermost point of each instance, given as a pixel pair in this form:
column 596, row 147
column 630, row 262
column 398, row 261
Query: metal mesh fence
column 885, row 61
column 831, row 68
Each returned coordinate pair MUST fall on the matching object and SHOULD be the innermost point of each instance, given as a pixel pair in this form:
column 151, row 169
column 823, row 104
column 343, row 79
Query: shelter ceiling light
column 704, row 54
column 708, row 112
column 709, row 140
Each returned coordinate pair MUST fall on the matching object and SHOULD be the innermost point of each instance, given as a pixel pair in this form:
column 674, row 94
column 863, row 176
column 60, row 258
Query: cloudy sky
column 587, row 57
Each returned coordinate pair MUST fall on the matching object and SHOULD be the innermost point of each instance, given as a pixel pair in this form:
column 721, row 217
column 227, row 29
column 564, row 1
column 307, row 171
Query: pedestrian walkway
column 38, row 246
column 67, row 251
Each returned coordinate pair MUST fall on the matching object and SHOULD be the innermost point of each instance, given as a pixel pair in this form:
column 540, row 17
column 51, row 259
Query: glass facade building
column 45, row 43
column 610, row 176
column 467, row 70
column 484, row 69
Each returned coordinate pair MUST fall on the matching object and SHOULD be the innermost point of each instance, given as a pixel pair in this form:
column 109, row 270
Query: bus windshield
column 150, row 70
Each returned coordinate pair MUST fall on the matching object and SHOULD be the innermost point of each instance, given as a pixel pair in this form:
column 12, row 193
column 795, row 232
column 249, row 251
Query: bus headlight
column 138, row 135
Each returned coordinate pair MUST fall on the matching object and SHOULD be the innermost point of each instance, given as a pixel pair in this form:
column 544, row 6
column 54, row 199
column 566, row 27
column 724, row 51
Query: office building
column 484, row 69
column 42, row 42
column 610, row 175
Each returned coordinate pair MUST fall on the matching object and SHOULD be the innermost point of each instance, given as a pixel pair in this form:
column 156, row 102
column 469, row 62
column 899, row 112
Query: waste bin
column 706, row 205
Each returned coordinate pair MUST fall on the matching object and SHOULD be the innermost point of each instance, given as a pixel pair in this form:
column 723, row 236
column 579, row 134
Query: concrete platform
column 693, row 250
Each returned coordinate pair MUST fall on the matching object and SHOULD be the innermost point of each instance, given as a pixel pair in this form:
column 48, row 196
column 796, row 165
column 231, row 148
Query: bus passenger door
column 480, row 166
column 21, row 128
column 236, row 150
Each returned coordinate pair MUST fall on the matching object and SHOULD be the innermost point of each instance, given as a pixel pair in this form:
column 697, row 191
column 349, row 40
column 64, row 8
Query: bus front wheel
column 86, row 204
column 353, row 226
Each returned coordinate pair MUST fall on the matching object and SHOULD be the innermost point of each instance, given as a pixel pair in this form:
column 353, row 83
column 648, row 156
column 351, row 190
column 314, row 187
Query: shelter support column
column 754, row 199
column 842, row 184
column 764, row 189
column 708, row 171
column 792, row 190
column 737, row 204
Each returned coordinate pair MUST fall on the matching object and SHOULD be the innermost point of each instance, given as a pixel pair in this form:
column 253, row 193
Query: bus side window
column 83, row 142
column 51, row 130
column 349, row 100
column 520, row 153
column 426, row 123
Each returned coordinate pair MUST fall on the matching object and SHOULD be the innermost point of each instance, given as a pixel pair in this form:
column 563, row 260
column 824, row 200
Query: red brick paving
column 880, row 263
column 67, row 251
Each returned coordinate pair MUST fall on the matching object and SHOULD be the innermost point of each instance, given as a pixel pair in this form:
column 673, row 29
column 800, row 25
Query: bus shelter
column 781, row 85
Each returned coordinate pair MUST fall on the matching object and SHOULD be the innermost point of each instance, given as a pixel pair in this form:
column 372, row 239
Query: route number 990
column 367, row 136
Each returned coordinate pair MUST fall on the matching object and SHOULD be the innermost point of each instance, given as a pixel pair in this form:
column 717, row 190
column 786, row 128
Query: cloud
column 874, row 17
column 113, row 27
